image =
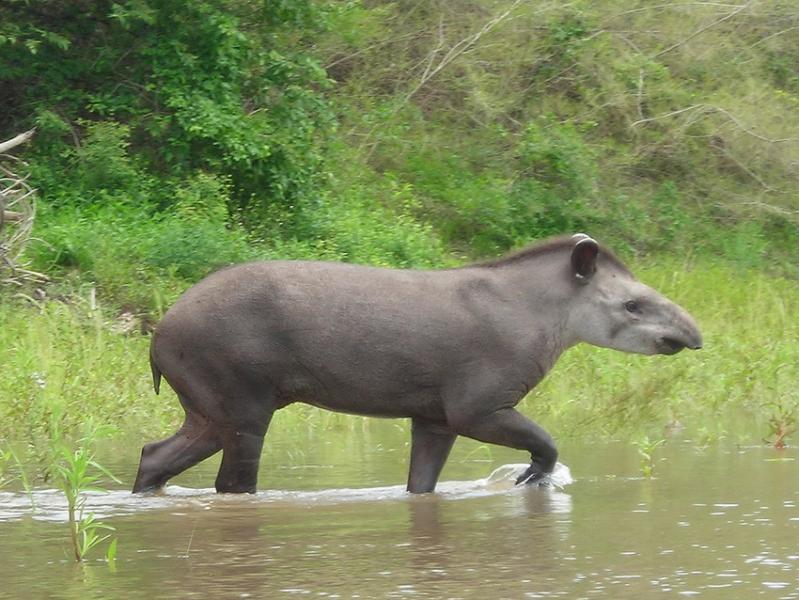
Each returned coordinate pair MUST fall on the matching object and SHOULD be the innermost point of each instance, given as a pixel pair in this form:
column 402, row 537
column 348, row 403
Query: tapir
column 453, row 350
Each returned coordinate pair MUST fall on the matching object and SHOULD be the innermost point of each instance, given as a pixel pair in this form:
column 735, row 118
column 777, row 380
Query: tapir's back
column 348, row 337
column 323, row 299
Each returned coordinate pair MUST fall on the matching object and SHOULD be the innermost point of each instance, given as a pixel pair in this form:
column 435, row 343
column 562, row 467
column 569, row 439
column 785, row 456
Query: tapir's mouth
column 670, row 345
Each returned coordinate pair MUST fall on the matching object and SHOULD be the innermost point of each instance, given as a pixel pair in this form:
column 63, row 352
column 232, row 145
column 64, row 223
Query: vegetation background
column 176, row 136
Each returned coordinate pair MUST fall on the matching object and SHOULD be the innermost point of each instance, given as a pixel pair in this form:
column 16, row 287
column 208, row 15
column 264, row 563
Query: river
column 332, row 520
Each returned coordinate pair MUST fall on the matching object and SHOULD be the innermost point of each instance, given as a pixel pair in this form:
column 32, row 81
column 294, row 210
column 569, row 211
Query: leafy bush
column 176, row 136
column 181, row 85
column 191, row 250
column 126, row 253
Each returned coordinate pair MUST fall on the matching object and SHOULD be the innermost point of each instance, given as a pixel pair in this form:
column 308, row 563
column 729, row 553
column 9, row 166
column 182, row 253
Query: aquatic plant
column 5, row 459
column 77, row 473
column 706, row 435
column 646, row 449
column 782, row 423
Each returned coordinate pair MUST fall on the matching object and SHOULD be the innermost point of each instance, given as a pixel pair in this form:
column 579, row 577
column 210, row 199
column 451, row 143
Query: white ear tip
column 582, row 237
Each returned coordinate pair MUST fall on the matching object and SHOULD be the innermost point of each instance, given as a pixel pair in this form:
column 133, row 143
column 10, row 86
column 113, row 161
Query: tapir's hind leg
column 430, row 446
column 241, row 455
column 195, row 441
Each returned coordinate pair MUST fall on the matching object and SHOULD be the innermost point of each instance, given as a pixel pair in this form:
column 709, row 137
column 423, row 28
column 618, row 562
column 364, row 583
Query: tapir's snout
column 696, row 344
column 670, row 345
column 686, row 334
column 693, row 338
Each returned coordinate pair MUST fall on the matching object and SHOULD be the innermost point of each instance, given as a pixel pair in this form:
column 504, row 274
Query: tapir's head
column 611, row 308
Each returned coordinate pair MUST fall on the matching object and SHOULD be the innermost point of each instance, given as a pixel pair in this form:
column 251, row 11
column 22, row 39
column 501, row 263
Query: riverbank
column 65, row 361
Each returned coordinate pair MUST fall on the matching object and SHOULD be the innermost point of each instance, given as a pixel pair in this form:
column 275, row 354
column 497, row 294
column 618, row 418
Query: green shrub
column 125, row 252
column 190, row 250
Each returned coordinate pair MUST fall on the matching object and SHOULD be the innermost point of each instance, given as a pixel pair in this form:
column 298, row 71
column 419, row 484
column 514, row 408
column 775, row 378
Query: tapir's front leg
column 430, row 446
column 508, row 427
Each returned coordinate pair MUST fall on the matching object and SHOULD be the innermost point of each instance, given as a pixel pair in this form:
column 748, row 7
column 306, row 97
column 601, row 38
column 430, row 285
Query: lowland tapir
column 454, row 350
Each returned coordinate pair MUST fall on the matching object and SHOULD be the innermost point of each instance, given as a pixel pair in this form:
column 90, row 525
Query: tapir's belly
column 364, row 382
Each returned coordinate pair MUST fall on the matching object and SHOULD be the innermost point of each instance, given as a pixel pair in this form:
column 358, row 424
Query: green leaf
column 111, row 551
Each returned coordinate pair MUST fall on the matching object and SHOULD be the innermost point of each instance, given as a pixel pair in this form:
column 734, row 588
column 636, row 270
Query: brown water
column 332, row 521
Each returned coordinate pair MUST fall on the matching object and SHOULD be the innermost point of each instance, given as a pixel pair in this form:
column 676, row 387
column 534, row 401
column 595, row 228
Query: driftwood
column 16, row 141
column 17, row 213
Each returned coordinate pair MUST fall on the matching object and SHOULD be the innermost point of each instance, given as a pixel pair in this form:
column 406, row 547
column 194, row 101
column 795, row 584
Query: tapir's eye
column 632, row 306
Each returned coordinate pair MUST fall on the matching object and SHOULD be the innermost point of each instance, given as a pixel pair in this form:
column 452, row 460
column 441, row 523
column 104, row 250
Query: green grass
column 65, row 362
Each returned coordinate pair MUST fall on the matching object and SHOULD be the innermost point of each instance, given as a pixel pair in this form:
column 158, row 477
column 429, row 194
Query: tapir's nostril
column 671, row 345
column 696, row 342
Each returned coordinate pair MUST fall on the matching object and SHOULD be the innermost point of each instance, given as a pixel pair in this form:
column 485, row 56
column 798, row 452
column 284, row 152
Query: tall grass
column 65, row 362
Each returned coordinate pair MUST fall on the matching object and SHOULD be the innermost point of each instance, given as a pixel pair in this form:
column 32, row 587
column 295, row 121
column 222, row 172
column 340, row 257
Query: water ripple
column 50, row 504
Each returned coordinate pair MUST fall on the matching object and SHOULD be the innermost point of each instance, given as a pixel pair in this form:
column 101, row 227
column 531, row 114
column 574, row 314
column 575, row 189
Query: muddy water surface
column 332, row 521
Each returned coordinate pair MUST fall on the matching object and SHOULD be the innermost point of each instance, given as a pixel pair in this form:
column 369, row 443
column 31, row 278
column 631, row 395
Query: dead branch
column 773, row 35
column 701, row 30
column 17, row 212
column 771, row 208
column 433, row 68
column 639, row 100
column 666, row 115
column 671, row 5
column 455, row 51
column 747, row 130
column 766, row 187
column 702, row 110
column 412, row 34
column 16, row 141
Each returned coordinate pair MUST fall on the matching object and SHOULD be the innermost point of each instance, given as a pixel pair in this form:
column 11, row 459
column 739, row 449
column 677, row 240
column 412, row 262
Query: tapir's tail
column 156, row 372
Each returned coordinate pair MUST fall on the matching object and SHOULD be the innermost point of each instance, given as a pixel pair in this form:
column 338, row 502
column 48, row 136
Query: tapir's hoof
column 533, row 476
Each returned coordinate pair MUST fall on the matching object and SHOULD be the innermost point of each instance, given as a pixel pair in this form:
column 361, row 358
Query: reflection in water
column 439, row 539
column 699, row 528
column 430, row 552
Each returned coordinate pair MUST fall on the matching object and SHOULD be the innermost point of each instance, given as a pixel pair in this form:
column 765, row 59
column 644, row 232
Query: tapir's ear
column 584, row 256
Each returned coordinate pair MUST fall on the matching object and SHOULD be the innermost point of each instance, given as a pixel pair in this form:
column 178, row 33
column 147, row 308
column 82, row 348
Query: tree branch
column 773, row 35
column 701, row 30
column 706, row 109
column 16, row 141
column 671, row 5
column 453, row 53
column 666, row 115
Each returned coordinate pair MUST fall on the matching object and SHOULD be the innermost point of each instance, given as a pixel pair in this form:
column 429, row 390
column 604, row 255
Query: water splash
column 50, row 505
column 559, row 478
